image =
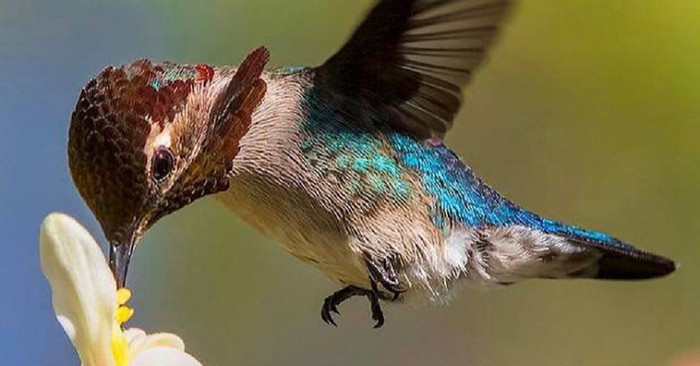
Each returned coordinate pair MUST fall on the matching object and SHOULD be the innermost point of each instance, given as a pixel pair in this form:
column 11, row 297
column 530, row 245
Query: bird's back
column 333, row 189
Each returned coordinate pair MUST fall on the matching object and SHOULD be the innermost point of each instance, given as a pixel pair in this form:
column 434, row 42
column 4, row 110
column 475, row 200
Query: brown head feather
column 129, row 120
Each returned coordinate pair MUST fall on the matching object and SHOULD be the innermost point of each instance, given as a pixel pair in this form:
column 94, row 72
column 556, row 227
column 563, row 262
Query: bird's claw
column 326, row 310
column 330, row 304
column 377, row 313
column 381, row 271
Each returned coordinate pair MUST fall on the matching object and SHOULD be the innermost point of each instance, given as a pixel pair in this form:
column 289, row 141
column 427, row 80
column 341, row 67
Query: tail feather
column 515, row 253
column 620, row 261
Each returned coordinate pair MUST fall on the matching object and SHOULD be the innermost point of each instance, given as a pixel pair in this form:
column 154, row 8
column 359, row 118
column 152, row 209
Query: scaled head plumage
column 146, row 139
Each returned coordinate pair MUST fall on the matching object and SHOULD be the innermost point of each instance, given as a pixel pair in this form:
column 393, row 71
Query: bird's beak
column 119, row 257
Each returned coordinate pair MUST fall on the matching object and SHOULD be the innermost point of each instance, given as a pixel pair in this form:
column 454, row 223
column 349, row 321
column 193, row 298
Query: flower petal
column 165, row 340
column 134, row 335
column 140, row 341
column 163, row 356
column 82, row 287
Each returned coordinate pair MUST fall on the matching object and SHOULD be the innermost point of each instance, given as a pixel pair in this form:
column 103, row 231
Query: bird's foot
column 330, row 304
column 382, row 271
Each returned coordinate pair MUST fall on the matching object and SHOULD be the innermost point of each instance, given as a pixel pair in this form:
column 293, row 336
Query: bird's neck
column 275, row 122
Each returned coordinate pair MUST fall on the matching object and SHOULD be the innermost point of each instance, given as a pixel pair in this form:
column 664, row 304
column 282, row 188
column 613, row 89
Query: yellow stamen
column 120, row 347
column 123, row 314
column 123, row 295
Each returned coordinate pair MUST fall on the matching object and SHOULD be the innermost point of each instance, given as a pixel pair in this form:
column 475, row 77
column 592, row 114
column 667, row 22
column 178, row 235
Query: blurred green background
column 586, row 112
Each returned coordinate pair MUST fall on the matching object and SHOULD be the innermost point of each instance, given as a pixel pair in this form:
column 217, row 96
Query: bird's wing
column 411, row 57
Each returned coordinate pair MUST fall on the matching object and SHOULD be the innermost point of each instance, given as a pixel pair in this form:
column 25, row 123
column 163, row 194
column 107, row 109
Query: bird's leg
column 330, row 304
column 382, row 271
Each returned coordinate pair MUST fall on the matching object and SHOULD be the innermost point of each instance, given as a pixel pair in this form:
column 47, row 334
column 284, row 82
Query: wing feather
column 412, row 57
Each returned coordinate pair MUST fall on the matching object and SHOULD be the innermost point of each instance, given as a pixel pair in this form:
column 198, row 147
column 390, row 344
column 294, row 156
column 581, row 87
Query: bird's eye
column 162, row 164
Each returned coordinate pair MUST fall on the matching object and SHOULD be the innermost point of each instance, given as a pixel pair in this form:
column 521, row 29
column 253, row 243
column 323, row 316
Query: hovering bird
column 343, row 164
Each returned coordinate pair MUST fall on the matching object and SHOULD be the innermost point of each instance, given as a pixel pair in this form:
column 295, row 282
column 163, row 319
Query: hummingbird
column 344, row 164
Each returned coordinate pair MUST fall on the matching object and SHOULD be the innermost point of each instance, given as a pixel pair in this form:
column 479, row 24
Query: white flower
column 89, row 307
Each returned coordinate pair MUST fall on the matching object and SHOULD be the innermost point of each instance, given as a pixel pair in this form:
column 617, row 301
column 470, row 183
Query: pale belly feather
column 298, row 223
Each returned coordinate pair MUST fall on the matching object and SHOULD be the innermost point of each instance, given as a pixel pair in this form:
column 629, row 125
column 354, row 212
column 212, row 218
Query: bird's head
column 147, row 139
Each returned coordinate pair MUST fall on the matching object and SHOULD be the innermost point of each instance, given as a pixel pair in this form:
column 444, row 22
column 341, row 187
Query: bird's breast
column 297, row 221
column 276, row 188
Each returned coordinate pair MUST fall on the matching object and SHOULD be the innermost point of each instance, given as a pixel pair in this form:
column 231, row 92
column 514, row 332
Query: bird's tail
column 554, row 250
column 618, row 260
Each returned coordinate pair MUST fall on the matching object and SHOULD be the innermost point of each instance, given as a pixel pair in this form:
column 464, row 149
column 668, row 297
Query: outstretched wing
column 410, row 58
